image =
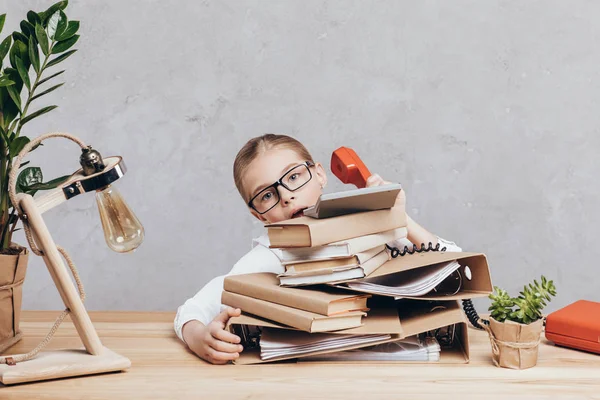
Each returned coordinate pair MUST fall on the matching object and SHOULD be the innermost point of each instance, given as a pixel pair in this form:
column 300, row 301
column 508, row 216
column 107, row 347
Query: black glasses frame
column 279, row 182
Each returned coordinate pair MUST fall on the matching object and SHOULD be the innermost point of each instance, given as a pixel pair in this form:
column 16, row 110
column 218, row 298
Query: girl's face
column 267, row 169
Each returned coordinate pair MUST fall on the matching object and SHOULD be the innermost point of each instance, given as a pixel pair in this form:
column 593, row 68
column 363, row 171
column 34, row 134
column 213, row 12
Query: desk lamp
column 122, row 231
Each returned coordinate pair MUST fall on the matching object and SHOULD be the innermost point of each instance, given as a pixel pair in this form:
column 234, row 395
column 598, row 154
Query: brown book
column 334, row 263
column 334, row 275
column 310, row 232
column 358, row 246
column 265, row 286
column 299, row 319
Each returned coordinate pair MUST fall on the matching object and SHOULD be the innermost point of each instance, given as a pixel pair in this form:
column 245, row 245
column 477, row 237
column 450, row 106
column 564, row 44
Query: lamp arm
column 12, row 177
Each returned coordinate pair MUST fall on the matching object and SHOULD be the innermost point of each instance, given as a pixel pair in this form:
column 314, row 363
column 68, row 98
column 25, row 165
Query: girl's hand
column 415, row 233
column 212, row 342
column 376, row 180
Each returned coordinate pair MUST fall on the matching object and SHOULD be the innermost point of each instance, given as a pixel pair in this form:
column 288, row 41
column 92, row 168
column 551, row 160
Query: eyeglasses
column 292, row 180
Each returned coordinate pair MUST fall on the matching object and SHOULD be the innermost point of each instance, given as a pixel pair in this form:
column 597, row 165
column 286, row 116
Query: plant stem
column 4, row 194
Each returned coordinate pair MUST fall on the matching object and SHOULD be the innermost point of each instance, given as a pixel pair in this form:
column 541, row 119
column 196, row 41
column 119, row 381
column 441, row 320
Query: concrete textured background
column 486, row 112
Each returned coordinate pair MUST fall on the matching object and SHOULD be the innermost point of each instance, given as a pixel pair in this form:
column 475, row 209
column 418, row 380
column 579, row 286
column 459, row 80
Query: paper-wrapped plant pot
column 12, row 275
column 514, row 345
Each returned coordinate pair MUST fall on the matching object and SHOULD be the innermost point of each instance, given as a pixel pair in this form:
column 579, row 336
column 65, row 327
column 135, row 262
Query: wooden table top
column 162, row 368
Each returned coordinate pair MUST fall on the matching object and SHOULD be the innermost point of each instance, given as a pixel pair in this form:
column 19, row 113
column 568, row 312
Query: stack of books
column 305, row 309
column 341, row 297
column 339, row 248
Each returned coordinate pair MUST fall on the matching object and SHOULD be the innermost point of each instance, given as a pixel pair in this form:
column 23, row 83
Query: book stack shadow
column 348, row 295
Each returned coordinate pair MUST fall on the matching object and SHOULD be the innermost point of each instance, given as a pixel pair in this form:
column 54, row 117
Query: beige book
column 303, row 320
column 357, row 246
column 310, row 232
column 265, row 286
column 334, row 263
column 334, row 275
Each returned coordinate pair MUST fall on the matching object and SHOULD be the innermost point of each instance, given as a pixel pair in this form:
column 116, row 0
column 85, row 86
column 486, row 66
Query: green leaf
column 15, row 96
column 28, row 177
column 46, row 91
column 37, row 114
column 4, row 81
column 17, row 145
column 50, row 184
column 24, row 164
column 61, row 26
column 34, row 55
column 52, row 24
column 60, row 58
column 9, row 109
column 23, row 73
column 5, row 47
column 2, row 19
column 33, row 19
column 61, row 5
column 22, row 53
column 72, row 28
column 42, row 39
column 19, row 36
column 14, row 52
column 13, row 74
column 64, row 45
column 50, row 77
column 27, row 28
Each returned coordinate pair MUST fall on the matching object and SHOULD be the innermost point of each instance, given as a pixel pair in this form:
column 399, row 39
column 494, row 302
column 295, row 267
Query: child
column 277, row 178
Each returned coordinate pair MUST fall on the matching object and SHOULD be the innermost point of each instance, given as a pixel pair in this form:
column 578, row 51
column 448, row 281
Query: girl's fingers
column 222, row 334
column 216, row 355
column 227, row 313
column 374, row 180
column 225, row 347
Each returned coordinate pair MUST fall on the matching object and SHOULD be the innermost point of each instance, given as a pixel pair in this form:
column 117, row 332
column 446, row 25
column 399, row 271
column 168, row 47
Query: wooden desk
column 163, row 369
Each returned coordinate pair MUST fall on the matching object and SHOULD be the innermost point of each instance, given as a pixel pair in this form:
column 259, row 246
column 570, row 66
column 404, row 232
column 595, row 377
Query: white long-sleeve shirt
column 206, row 304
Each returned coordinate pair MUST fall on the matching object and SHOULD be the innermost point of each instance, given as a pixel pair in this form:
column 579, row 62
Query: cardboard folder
column 399, row 323
column 479, row 284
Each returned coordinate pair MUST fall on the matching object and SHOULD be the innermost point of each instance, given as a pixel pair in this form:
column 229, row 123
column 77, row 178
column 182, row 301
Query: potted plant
column 28, row 60
column 516, row 324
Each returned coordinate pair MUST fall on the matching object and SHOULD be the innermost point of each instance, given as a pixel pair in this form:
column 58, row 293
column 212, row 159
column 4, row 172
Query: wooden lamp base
column 63, row 364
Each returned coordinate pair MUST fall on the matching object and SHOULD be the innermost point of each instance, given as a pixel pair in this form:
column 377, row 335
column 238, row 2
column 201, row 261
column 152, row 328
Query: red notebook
column 576, row 325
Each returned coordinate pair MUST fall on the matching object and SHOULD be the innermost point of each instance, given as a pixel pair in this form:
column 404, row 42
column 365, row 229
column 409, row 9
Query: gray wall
column 486, row 112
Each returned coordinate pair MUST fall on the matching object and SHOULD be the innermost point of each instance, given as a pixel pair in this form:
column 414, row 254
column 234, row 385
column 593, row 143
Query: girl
column 277, row 178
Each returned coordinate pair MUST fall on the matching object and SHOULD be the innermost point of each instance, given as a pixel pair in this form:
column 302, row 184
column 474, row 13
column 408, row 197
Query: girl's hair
column 257, row 146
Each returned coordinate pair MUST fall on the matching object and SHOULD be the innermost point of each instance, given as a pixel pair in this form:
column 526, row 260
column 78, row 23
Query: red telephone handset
column 349, row 168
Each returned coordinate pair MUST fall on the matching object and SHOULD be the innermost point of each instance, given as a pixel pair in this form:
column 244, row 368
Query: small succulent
column 527, row 307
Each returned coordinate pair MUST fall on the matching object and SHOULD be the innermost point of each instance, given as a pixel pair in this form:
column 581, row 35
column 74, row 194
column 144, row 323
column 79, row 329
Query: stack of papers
column 408, row 349
column 411, row 283
column 282, row 343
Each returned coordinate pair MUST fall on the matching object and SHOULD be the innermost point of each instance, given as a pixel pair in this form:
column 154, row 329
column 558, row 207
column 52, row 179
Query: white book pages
column 408, row 349
column 281, row 342
column 415, row 282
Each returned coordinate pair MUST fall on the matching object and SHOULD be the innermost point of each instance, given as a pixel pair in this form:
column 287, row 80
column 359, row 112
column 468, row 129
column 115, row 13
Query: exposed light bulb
column 122, row 230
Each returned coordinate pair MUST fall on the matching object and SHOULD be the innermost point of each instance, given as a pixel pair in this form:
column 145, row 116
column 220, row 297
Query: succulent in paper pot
column 527, row 307
column 516, row 324
column 27, row 68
